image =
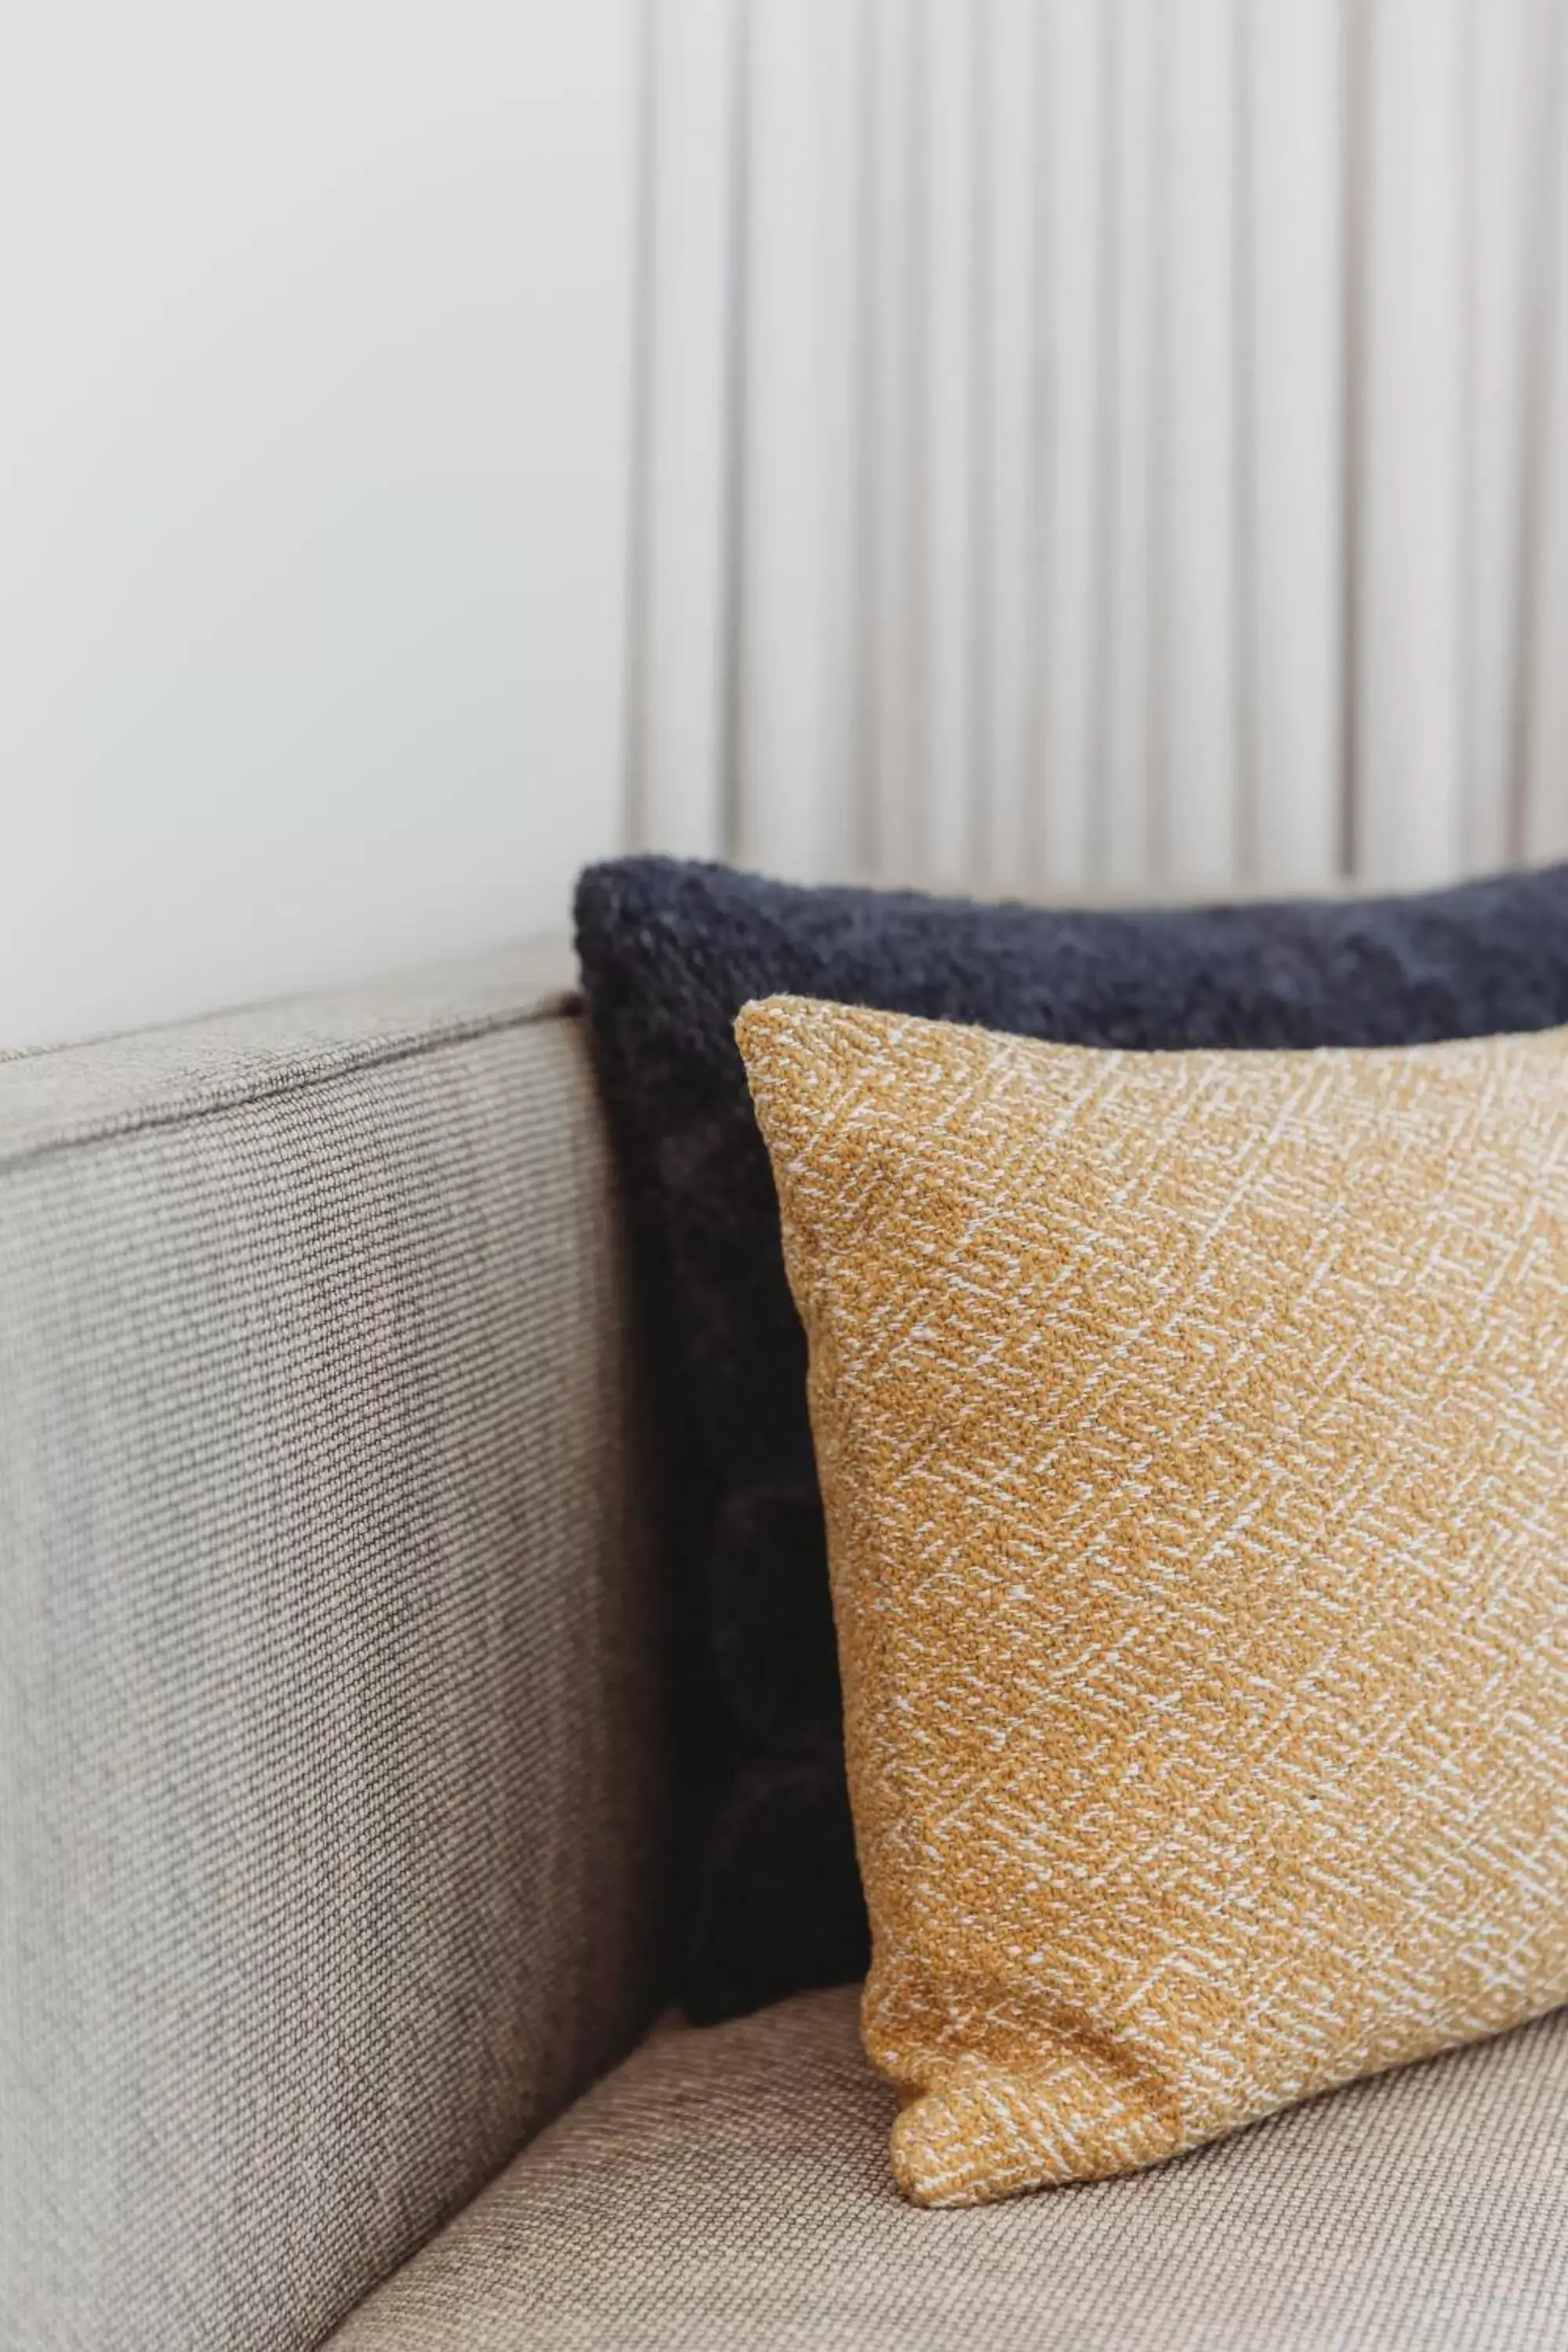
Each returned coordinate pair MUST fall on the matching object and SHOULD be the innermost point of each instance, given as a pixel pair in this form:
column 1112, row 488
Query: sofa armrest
column 331, row 1826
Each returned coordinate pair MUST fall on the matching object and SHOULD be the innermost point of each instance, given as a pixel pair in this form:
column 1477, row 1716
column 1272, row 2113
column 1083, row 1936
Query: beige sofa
column 332, row 1821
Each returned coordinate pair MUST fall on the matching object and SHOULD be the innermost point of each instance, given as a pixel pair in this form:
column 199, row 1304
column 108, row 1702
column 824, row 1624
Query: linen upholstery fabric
column 1194, row 1433
column 728, row 2189
column 329, row 1795
column 670, row 952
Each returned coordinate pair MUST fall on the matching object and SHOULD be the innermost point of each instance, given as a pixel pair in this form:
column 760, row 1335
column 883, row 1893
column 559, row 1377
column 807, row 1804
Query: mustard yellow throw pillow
column 1193, row 1434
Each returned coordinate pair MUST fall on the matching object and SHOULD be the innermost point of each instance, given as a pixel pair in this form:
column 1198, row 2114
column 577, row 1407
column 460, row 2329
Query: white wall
column 315, row 326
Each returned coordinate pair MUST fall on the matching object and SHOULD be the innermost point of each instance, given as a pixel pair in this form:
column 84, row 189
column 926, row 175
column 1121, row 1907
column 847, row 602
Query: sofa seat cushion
column 728, row 2187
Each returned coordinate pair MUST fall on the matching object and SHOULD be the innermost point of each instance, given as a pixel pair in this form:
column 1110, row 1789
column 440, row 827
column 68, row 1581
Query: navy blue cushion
column 771, row 1899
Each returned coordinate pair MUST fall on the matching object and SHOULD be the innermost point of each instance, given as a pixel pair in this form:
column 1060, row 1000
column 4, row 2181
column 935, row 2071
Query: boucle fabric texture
column 669, row 952
column 1194, row 1435
column 727, row 2191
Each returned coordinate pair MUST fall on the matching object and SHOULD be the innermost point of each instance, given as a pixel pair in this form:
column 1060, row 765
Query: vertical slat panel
column 1544, row 652
column 1292, row 110
column 676, row 763
column 1021, row 488
column 891, row 407
column 785, row 810
column 1071, row 552
column 843, row 502
column 1194, row 676
column 1410, row 690
column 1500, row 166
column 1006, row 143
column 1546, row 718
column 1123, row 844
column 953, row 555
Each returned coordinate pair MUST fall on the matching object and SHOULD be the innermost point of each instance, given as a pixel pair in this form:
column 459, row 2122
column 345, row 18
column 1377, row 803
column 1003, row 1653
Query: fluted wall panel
column 1108, row 444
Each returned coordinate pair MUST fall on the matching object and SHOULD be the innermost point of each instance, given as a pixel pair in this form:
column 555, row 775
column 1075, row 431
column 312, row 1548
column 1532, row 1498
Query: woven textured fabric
column 727, row 2191
column 330, row 1803
column 1194, row 1433
column 670, row 952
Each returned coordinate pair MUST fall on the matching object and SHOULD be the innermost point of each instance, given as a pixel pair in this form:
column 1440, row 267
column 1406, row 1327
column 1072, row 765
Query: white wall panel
column 1293, row 480
column 1410, row 419
column 1194, row 695
column 1543, row 621
column 1073, row 174
column 1005, row 352
column 315, row 417
column 953, row 555
column 1501, row 169
column 890, row 643
column 1124, row 844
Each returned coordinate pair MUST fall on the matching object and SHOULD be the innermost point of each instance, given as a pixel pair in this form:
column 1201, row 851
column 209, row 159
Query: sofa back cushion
column 670, row 953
